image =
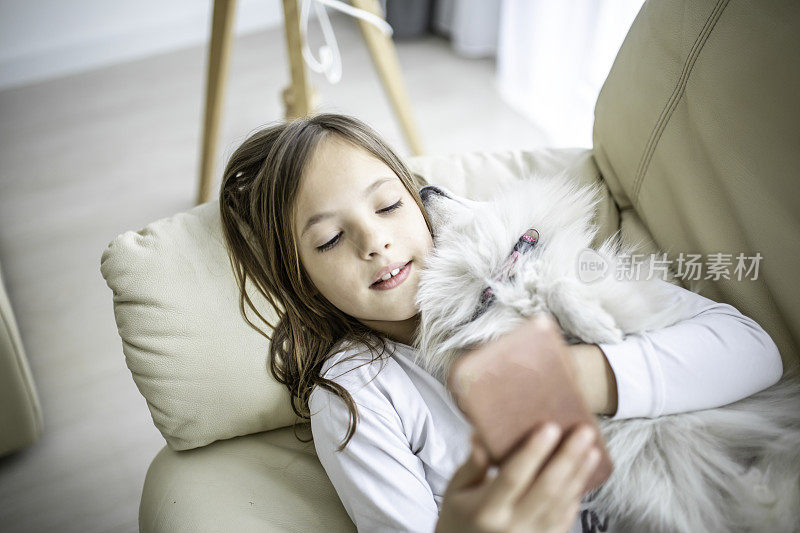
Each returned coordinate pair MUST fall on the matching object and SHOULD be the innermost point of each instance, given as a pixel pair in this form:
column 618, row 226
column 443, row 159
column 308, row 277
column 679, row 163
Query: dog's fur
column 734, row 468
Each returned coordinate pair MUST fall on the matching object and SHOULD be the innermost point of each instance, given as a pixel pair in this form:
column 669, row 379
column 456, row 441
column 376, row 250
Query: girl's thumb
column 473, row 470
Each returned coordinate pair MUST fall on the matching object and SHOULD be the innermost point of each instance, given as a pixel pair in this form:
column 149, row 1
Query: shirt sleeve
column 712, row 357
column 378, row 478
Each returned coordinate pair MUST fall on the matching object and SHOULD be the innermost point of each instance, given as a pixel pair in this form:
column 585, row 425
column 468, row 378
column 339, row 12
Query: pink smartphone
column 511, row 386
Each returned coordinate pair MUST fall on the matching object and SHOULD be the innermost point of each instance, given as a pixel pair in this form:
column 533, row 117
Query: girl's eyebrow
column 322, row 216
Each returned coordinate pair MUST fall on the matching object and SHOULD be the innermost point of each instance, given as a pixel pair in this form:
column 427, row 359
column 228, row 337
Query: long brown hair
column 257, row 202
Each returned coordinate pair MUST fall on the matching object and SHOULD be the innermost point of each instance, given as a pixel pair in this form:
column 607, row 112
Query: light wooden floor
column 90, row 156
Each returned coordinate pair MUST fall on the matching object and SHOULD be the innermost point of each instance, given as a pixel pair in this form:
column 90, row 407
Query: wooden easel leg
column 298, row 97
column 219, row 52
column 384, row 57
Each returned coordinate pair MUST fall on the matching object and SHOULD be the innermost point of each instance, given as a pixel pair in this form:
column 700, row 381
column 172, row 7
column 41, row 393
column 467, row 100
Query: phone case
column 509, row 387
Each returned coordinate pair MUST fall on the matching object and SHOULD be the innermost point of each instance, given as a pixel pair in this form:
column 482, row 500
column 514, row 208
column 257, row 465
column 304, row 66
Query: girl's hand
column 526, row 494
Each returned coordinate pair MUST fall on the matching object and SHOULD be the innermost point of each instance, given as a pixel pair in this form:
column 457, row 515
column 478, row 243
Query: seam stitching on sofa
column 599, row 178
column 677, row 93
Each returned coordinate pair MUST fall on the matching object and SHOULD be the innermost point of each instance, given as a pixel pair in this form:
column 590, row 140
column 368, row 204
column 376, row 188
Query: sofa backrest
column 696, row 132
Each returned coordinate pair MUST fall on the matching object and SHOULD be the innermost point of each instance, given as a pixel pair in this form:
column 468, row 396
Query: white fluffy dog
column 734, row 468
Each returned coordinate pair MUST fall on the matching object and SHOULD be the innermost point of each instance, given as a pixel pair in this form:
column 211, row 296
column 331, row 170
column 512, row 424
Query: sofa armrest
column 20, row 412
column 267, row 481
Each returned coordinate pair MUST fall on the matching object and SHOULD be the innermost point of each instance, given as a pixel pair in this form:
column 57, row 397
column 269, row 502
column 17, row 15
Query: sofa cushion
column 201, row 368
column 696, row 130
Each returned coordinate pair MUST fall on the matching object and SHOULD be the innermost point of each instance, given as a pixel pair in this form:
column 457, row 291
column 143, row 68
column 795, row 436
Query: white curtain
column 553, row 57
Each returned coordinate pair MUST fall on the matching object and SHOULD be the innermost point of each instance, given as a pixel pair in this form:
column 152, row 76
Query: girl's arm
column 595, row 377
column 712, row 357
column 378, row 478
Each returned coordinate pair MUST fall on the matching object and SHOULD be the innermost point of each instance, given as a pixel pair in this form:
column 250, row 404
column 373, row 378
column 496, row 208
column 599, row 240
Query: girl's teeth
column 390, row 274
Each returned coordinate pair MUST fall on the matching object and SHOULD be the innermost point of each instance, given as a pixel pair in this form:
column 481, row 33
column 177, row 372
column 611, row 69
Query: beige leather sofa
column 20, row 412
column 696, row 137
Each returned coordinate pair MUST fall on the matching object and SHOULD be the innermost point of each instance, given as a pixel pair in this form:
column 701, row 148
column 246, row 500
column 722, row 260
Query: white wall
column 42, row 39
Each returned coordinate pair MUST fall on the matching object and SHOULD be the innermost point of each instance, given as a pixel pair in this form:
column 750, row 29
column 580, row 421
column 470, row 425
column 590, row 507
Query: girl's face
column 354, row 217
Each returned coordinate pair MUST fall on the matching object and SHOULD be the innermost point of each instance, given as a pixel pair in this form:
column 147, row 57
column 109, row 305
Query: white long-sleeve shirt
column 411, row 437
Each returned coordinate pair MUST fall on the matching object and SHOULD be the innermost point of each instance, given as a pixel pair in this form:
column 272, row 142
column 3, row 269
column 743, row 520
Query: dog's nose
column 430, row 190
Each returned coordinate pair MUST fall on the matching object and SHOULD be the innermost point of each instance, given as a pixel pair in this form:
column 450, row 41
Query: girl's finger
column 563, row 516
column 518, row 471
column 557, row 515
column 564, row 504
column 555, row 475
column 583, row 472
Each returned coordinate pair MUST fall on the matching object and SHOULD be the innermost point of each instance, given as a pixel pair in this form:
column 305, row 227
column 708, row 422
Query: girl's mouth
column 394, row 281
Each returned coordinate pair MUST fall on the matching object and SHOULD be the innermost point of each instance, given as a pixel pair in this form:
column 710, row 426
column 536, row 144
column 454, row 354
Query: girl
column 326, row 221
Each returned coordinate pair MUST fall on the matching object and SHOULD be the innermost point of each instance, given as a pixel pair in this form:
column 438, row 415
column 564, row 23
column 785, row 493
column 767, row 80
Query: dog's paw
column 603, row 329
column 581, row 316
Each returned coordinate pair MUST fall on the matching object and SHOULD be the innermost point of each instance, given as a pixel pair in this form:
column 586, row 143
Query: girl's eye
column 391, row 207
column 331, row 243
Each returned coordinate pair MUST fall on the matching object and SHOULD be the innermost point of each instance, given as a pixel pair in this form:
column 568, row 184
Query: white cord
column 330, row 61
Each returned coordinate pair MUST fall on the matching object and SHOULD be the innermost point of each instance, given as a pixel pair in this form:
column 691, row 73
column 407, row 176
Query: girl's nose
column 375, row 241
